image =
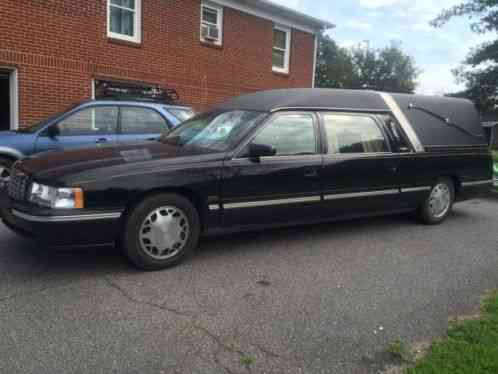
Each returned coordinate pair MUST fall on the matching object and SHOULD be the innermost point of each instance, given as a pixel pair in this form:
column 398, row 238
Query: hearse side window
column 142, row 121
column 351, row 133
column 397, row 134
column 290, row 135
column 90, row 121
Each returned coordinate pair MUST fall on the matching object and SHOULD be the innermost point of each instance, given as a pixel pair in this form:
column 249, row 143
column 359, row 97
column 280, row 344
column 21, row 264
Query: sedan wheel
column 5, row 166
column 439, row 202
column 160, row 231
column 164, row 232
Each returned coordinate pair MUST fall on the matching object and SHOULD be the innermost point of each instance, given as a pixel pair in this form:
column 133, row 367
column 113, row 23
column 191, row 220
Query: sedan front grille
column 18, row 185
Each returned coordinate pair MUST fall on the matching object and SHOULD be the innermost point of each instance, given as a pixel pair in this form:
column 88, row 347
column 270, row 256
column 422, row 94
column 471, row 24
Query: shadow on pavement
column 23, row 255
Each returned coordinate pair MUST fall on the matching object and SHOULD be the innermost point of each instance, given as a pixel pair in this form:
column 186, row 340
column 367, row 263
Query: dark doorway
column 5, row 114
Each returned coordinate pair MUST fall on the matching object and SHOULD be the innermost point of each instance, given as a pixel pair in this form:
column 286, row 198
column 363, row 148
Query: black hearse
column 268, row 159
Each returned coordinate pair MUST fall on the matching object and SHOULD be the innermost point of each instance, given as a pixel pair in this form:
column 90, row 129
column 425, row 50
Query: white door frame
column 13, row 96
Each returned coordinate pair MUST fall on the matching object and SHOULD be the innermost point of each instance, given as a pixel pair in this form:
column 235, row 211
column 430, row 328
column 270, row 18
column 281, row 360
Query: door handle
column 311, row 174
column 101, row 140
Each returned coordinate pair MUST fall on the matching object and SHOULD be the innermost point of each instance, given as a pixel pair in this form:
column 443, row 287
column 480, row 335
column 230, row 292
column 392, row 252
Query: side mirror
column 256, row 151
column 53, row 131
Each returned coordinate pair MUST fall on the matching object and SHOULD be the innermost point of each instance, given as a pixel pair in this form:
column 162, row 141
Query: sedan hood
column 4, row 134
column 74, row 166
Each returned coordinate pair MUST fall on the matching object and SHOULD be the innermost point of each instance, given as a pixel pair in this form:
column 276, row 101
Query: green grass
column 470, row 348
column 247, row 361
column 400, row 351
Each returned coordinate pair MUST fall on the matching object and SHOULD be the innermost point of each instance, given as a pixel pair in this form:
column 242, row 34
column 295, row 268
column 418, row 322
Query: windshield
column 215, row 131
column 182, row 114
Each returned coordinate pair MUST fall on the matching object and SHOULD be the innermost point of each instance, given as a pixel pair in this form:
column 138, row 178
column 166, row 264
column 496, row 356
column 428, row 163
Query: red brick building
column 54, row 53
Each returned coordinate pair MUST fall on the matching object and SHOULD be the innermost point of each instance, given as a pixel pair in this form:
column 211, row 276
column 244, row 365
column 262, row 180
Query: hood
column 4, row 134
column 69, row 167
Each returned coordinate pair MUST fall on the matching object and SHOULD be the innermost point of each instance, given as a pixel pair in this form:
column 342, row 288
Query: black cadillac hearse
column 268, row 159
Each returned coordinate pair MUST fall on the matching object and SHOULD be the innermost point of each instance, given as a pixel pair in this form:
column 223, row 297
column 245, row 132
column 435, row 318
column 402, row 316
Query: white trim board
column 315, row 58
column 13, row 95
column 266, row 15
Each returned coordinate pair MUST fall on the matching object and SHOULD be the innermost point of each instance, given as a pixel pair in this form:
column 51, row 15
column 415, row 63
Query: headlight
column 58, row 198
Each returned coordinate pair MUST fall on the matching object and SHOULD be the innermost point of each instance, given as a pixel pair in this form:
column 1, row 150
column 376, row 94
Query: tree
column 479, row 71
column 334, row 64
column 386, row 69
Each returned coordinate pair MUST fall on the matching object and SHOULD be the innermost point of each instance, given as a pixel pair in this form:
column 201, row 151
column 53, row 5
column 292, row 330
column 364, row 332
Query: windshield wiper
column 445, row 120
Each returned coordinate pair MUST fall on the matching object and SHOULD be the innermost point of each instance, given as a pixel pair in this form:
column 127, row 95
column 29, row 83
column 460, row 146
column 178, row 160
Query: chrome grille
column 18, row 185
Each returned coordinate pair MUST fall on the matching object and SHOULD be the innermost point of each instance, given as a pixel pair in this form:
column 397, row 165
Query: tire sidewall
column 130, row 241
column 426, row 215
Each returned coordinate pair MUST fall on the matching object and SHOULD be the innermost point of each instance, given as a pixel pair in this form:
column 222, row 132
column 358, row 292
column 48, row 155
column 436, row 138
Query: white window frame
column 219, row 22
column 287, row 51
column 137, row 38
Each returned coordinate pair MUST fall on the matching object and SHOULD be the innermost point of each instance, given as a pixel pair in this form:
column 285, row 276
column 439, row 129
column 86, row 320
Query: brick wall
column 59, row 46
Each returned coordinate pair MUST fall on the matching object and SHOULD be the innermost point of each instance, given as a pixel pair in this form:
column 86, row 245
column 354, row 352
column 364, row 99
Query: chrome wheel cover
column 4, row 175
column 440, row 200
column 164, row 232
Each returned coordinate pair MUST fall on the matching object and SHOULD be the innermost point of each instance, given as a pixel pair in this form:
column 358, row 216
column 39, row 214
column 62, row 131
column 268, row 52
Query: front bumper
column 61, row 228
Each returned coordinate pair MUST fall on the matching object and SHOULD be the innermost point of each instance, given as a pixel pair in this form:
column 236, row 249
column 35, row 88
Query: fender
column 11, row 152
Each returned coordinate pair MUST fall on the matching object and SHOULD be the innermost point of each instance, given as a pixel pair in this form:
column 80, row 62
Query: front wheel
column 5, row 165
column 438, row 204
column 160, row 232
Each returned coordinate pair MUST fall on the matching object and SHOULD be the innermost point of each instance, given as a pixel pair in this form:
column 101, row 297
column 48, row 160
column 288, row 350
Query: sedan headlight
column 58, row 198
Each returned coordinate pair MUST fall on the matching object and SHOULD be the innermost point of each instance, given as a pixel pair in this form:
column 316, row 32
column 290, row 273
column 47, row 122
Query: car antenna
column 445, row 120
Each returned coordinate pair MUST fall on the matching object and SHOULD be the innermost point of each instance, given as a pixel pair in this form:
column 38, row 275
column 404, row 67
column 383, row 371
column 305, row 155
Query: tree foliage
column 386, row 69
column 479, row 71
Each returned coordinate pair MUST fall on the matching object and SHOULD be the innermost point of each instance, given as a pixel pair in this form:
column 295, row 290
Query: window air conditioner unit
column 210, row 32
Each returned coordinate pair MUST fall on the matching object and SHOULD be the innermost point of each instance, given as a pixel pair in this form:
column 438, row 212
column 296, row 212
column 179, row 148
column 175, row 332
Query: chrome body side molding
column 71, row 218
column 416, row 189
column 253, row 204
column 359, row 194
column 477, row 183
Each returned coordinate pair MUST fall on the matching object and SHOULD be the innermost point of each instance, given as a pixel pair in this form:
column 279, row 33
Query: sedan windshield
column 215, row 131
column 182, row 114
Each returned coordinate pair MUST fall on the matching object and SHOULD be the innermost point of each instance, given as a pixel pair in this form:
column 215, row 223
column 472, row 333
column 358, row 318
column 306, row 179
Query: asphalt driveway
column 322, row 299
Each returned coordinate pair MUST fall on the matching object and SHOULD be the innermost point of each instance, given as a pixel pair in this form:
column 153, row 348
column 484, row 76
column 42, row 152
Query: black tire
column 130, row 241
column 5, row 165
column 426, row 214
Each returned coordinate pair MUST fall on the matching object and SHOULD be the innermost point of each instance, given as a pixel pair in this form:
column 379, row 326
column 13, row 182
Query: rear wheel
column 5, row 165
column 160, row 232
column 439, row 202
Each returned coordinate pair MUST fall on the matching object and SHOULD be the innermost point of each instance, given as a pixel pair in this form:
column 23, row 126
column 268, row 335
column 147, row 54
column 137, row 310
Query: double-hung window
column 124, row 20
column 211, row 23
column 281, row 49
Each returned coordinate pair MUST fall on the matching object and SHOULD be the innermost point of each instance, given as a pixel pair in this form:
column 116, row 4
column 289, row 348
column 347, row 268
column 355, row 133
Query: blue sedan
column 89, row 124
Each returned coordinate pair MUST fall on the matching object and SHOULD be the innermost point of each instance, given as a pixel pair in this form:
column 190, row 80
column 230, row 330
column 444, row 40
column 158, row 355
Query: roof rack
column 130, row 91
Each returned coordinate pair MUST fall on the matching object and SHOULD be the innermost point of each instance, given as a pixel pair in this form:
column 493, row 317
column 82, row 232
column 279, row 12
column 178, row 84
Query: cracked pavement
column 322, row 299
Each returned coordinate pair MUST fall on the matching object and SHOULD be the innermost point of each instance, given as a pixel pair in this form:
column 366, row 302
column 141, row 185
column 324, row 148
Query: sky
column 436, row 51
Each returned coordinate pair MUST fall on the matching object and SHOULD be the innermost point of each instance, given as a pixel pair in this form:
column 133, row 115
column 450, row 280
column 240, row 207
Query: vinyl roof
column 267, row 101
column 430, row 129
